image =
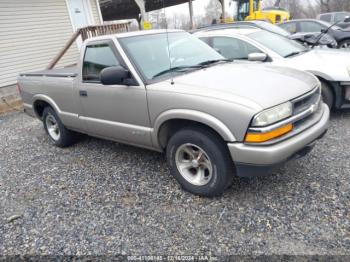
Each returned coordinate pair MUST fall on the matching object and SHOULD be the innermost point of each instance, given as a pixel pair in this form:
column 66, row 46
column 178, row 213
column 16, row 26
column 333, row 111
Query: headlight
column 273, row 115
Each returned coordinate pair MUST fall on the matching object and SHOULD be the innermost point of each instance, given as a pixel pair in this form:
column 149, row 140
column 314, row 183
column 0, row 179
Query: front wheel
column 59, row 135
column 327, row 95
column 345, row 44
column 200, row 161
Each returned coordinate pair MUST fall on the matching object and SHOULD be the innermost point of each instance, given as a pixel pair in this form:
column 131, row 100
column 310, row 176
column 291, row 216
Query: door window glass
column 290, row 27
column 97, row 57
column 205, row 40
column 243, row 10
column 232, row 48
column 339, row 17
column 256, row 5
column 326, row 17
column 311, row 27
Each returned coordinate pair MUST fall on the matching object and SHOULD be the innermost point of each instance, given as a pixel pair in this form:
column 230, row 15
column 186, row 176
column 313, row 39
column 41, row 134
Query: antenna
column 168, row 43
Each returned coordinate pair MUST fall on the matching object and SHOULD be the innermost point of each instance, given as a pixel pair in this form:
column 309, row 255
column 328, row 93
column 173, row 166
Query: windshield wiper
column 295, row 53
column 209, row 62
column 176, row 69
column 185, row 68
column 324, row 32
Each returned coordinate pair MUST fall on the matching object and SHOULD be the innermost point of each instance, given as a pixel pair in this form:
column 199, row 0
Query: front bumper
column 252, row 160
column 341, row 90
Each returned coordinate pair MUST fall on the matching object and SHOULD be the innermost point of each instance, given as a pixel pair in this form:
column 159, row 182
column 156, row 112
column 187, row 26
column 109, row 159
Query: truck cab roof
column 230, row 31
column 133, row 33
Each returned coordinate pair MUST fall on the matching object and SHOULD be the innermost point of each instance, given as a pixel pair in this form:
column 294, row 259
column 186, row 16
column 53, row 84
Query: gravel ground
column 100, row 197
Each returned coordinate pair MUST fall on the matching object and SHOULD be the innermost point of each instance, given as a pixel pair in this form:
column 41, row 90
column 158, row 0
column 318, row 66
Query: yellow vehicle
column 252, row 10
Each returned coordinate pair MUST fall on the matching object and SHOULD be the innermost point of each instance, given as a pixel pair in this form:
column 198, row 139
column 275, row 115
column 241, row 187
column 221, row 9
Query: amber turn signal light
column 263, row 137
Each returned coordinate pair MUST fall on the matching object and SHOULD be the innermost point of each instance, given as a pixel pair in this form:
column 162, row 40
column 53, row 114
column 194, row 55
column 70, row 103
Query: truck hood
column 253, row 85
column 331, row 64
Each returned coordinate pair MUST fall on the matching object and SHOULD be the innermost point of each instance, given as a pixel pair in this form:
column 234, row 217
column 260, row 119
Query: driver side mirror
column 347, row 19
column 257, row 57
column 114, row 75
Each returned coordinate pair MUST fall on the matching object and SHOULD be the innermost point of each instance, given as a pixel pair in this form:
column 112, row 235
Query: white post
column 223, row 9
column 142, row 5
column 190, row 6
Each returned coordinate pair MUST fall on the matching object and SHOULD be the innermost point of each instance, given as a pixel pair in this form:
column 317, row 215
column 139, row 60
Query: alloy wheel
column 52, row 127
column 194, row 164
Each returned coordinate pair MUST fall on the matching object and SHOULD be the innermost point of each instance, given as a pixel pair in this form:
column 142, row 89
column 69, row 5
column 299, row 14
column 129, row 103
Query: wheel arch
column 321, row 76
column 42, row 101
column 170, row 121
column 340, row 41
column 332, row 88
column 327, row 82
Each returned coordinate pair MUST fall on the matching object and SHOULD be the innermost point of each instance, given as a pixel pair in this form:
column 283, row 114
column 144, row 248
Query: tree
column 158, row 19
column 333, row 5
column 325, row 5
column 299, row 8
column 296, row 8
column 213, row 11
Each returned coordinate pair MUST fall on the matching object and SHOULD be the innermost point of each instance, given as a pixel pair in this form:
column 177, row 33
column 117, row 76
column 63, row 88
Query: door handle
column 83, row 93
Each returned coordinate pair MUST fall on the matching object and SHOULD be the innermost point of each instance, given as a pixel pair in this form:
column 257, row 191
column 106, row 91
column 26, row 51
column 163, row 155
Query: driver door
column 117, row 112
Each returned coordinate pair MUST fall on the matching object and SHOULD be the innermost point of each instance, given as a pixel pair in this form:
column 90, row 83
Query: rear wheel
column 327, row 95
column 59, row 135
column 199, row 160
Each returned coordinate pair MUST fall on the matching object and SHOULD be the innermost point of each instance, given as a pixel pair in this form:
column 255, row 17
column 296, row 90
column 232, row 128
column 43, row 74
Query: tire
column 212, row 173
column 345, row 44
column 59, row 135
column 327, row 95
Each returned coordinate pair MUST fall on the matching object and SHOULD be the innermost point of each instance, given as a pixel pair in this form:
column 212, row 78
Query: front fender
column 322, row 75
column 192, row 115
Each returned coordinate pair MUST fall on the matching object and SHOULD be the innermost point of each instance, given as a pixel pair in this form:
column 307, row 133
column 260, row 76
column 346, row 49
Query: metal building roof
column 127, row 9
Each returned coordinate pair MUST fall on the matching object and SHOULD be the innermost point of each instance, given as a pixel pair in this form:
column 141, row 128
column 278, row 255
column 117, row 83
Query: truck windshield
column 279, row 44
column 155, row 54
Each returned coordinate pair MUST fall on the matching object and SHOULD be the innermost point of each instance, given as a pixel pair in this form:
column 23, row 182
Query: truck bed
column 70, row 71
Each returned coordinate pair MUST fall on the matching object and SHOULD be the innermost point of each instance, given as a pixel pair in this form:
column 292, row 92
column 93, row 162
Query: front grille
column 307, row 111
column 306, row 101
column 308, row 120
column 311, row 103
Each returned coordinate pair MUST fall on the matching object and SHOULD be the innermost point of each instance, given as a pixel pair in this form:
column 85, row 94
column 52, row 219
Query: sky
column 198, row 8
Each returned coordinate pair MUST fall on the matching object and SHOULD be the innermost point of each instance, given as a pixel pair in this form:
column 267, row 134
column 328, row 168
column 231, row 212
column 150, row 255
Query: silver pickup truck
column 170, row 92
